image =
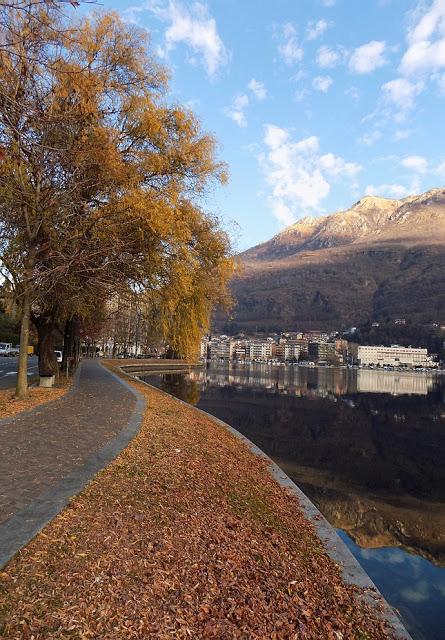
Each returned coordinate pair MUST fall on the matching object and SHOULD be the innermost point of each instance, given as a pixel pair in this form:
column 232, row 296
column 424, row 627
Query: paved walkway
column 40, row 450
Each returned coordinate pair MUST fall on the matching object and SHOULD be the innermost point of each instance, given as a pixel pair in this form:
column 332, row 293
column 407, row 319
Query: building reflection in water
column 321, row 381
column 366, row 446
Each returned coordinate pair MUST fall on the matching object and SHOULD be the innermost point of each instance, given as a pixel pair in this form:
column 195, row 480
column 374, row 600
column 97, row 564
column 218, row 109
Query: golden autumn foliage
column 100, row 178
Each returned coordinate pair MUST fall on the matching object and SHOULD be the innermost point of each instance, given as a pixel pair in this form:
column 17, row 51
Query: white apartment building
column 393, row 356
column 213, row 348
column 260, row 350
column 291, row 351
column 219, row 348
column 204, row 347
column 241, row 350
column 226, row 349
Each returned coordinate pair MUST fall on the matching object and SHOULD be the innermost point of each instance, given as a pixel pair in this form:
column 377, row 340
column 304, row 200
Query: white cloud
column 402, row 134
column 315, row 29
column 289, row 49
column 423, row 59
column 298, row 173
column 258, row 89
column 440, row 81
column 369, row 138
column 237, row 116
column 440, row 170
column 193, row 27
column 327, row 58
column 401, row 92
column 240, row 101
column 301, row 94
column 322, row 83
column 282, row 213
column 337, row 167
column 390, row 190
column 275, row 136
column 328, row 3
column 426, row 42
column 353, row 92
column 368, row 57
column 236, row 110
column 418, row 164
column 130, row 15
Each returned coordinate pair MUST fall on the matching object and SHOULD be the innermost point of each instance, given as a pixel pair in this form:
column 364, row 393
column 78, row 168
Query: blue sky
column 314, row 102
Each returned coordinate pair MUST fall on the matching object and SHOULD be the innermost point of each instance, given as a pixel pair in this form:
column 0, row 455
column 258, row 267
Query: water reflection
column 367, row 447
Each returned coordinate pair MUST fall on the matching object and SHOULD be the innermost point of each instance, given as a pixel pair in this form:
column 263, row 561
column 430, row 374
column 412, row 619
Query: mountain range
column 380, row 260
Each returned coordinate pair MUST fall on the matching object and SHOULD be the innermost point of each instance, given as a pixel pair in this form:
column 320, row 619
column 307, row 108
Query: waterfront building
column 393, row 356
column 204, row 347
column 260, row 350
column 303, row 346
column 226, row 349
column 241, row 351
column 278, row 350
column 321, row 351
column 219, row 347
column 291, row 351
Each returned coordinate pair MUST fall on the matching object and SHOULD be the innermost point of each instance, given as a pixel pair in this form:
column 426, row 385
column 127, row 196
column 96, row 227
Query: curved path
column 49, row 454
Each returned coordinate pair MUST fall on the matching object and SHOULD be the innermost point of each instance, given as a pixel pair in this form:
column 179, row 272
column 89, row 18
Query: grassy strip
column 10, row 406
column 184, row 535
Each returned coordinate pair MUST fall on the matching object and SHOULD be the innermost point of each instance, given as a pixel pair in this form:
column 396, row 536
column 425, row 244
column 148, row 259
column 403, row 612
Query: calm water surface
column 367, row 447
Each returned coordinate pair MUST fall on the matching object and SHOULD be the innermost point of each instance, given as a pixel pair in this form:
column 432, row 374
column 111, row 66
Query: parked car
column 59, row 356
column 5, row 349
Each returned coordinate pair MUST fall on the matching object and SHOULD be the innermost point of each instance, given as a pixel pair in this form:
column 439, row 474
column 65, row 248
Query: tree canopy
column 101, row 178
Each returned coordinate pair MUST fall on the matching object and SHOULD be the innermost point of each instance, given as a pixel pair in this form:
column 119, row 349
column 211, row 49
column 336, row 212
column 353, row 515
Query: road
column 8, row 370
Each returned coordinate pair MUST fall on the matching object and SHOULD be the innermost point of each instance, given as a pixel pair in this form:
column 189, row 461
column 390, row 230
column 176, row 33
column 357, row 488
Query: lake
column 367, row 447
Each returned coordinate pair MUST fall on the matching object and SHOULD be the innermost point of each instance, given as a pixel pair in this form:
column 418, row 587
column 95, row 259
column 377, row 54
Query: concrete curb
column 352, row 572
column 16, row 532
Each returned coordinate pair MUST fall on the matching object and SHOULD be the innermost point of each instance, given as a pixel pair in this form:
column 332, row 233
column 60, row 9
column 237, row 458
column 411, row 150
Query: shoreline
column 229, row 364
column 203, row 541
column 156, row 365
column 352, row 571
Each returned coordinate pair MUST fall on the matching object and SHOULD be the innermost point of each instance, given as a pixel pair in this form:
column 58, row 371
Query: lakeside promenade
column 185, row 534
column 41, row 448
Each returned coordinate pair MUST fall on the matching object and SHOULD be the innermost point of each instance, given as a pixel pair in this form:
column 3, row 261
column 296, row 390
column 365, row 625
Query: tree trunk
column 77, row 351
column 46, row 328
column 68, row 347
column 71, row 345
column 22, row 372
column 47, row 359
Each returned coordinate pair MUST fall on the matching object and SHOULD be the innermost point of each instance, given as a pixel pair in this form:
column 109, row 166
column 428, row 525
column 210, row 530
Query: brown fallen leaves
column 184, row 535
column 10, row 406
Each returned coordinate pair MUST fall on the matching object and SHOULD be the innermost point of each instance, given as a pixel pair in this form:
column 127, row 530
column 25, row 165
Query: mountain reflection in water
column 367, row 447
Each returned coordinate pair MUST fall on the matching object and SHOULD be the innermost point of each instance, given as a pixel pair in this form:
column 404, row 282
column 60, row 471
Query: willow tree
column 196, row 282
column 100, row 179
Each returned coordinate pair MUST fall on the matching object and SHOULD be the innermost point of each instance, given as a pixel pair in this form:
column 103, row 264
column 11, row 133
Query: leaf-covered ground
column 10, row 406
column 184, row 535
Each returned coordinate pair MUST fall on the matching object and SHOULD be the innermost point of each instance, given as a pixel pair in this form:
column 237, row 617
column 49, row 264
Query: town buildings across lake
column 315, row 348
